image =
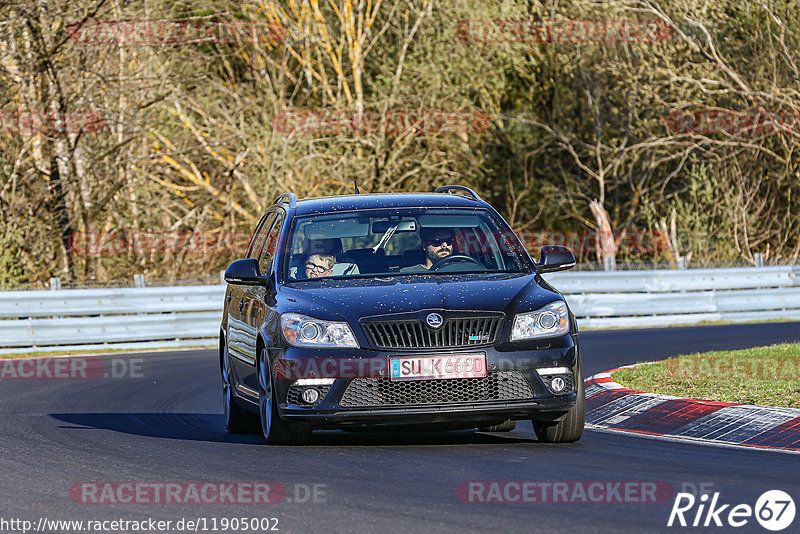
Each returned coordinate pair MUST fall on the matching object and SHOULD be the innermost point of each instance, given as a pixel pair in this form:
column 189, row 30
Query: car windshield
column 401, row 242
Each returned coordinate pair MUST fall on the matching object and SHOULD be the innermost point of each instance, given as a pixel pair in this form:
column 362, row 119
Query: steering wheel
column 453, row 258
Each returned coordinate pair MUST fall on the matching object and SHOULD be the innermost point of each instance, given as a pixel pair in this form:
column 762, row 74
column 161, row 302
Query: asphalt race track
column 162, row 422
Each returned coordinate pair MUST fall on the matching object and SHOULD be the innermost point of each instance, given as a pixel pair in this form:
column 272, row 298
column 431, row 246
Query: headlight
column 302, row 331
column 552, row 320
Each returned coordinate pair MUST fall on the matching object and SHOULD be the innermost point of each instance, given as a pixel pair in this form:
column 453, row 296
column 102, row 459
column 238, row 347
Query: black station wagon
column 418, row 309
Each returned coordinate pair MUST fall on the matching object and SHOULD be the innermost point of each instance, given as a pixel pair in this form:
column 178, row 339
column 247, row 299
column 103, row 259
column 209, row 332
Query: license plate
column 437, row 367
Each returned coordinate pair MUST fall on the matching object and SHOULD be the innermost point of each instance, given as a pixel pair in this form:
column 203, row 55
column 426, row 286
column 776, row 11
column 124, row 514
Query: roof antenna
column 355, row 183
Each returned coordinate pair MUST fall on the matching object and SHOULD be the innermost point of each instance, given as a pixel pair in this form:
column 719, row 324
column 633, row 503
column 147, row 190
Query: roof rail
column 446, row 188
column 288, row 197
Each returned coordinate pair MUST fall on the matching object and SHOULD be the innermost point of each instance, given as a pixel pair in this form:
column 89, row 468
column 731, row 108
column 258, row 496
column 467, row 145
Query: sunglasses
column 314, row 268
column 441, row 240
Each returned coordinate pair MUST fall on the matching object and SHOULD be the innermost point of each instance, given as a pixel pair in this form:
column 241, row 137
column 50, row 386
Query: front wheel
column 276, row 431
column 569, row 429
column 237, row 421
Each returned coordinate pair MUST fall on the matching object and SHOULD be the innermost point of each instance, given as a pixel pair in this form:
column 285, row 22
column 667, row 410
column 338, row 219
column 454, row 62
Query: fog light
column 557, row 385
column 310, row 395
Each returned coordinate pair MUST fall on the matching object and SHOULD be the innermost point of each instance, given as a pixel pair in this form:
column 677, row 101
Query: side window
column 261, row 233
column 272, row 240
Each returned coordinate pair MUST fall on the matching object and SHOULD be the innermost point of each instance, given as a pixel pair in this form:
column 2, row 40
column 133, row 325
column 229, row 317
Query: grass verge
column 768, row 376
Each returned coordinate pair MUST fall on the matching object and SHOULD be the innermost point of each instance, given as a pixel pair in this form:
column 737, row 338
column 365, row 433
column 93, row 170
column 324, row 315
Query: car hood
column 354, row 299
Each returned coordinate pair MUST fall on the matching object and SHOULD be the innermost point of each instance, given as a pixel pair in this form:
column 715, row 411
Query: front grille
column 414, row 334
column 496, row 386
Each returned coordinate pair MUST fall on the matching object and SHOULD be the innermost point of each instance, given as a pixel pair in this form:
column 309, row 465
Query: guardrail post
column 759, row 257
column 682, row 262
column 55, row 283
column 138, row 280
column 222, row 277
column 608, row 263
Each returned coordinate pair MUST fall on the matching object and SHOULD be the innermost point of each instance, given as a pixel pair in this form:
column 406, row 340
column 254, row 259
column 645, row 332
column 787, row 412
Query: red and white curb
column 614, row 407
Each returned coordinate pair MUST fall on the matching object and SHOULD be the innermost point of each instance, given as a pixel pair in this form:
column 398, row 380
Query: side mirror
column 245, row 272
column 554, row 258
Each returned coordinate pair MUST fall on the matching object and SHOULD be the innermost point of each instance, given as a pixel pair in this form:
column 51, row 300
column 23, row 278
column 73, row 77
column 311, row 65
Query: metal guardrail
column 190, row 315
column 620, row 299
column 134, row 318
column 117, row 301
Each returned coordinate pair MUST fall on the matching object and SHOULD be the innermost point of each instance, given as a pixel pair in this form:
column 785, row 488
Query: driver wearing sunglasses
column 436, row 244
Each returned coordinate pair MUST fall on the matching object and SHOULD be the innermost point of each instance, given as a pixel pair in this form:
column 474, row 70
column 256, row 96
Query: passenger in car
column 319, row 265
column 437, row 243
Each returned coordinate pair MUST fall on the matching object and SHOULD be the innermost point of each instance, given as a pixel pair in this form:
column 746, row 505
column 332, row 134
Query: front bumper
column 476, row 414
column 330, row 413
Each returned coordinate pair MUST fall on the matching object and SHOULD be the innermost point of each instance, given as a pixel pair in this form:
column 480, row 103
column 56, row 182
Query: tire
column 506, row 426
column 569, row 429
column 237, row 421
column 276, row 431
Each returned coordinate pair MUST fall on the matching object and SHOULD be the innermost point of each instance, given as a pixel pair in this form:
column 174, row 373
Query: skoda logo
column 434, row 320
